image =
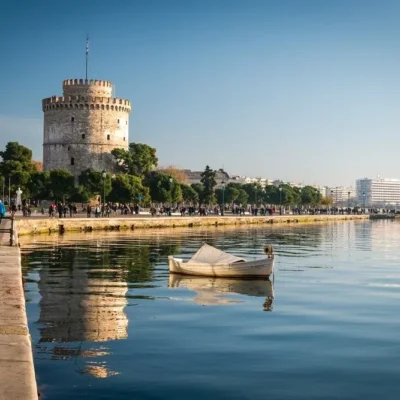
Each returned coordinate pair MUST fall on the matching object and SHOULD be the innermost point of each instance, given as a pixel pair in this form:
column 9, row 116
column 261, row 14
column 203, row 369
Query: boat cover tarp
column 210, row 255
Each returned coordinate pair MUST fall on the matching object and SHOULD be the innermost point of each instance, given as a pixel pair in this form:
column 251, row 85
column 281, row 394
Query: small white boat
column 209, row 261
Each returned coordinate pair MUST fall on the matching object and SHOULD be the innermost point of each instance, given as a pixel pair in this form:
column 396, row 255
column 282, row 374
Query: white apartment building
column 340, row 194
column 378, row 192
column 321, row 189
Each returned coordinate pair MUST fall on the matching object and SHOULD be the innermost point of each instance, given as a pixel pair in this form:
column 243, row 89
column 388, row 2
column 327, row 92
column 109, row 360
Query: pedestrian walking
column 60, row 210
column 2, row 211
column 13, row 209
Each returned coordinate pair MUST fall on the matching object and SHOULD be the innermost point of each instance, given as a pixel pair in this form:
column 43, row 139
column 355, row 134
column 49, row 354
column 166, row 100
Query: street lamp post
column 348, row 199
column 223, row 198
column 104, row 191
column 364, row 201
column 9, row 191
column 280, row 201
column 300, row 203
column 170, row 186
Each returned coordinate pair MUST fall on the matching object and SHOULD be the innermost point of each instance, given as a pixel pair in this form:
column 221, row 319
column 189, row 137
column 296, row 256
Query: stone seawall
column 17, row 374
column 48, row 225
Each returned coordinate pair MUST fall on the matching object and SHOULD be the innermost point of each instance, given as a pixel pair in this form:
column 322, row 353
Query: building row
column 368, row 192
column 378, row 192
column 223, row 178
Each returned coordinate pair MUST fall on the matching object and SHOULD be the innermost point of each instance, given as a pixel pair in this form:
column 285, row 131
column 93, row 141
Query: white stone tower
column 84, row 126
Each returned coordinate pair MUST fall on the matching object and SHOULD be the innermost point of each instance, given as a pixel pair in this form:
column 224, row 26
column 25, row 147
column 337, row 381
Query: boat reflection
column 213, row 291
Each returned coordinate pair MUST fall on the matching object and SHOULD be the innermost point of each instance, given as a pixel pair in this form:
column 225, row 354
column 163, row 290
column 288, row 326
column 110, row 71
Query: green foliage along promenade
column 137, row 180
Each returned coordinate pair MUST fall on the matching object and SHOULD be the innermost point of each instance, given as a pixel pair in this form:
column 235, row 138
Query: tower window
column 118, row 121
column 124, row 138
column 83, row 136
column 108, row 137
column 72, row 119
column 126, row 122
column 72, row 161
column 69, row 148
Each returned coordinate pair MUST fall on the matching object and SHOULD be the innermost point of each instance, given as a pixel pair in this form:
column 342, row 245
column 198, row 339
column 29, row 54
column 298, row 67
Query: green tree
column 61, row 183
column 231, row 194
column 254, row 191
column 310, row 196
column 139, row 160
column 289, row 195
column 271, row 195
column 220, row 196
column 79, row 194
column 39, row 185
column 163, row 188
column 127, row 188
column 209, row 183
column 189, row 195
column 94, row 183
column 199, row 189
column 227, row 196
column 16, row 152
column 242, row 198
column 17, row 165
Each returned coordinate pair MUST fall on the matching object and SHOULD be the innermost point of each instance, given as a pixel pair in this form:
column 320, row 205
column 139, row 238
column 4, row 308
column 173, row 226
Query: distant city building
column 320, row 189
column 340, row 194
column 195, row 177
column 378, row 192
column 223, row 177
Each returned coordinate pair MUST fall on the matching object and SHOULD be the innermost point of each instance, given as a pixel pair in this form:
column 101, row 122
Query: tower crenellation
column 83, row 126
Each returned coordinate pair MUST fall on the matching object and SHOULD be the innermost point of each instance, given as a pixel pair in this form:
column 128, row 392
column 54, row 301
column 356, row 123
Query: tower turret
column 84, row 126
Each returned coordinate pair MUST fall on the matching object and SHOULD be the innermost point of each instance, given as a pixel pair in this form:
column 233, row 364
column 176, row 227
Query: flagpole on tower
column 87, row 53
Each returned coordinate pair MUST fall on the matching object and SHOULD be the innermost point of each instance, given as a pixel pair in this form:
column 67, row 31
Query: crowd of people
column 64, row 210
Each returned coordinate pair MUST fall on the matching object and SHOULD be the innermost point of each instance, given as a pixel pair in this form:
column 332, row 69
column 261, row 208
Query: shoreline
column 17, row 372
column 33, row 226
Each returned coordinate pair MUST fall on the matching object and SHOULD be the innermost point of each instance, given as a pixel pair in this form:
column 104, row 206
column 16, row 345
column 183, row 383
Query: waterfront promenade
column 17, row 375
column 43, row 224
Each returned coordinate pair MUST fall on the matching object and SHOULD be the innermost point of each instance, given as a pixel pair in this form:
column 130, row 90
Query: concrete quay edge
column 31, row 226
column 17, row 373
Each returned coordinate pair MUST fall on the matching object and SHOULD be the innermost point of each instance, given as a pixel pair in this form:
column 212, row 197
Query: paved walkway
column 5, row 237
column 17, row 376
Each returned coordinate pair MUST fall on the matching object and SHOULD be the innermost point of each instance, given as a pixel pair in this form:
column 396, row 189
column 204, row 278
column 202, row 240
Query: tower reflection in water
column 81, row 309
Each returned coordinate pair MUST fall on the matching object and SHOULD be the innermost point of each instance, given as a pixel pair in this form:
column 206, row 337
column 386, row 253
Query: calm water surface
column 108, row 322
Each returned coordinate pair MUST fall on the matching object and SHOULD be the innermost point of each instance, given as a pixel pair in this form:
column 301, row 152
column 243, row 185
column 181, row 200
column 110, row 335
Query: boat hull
column 249, row 269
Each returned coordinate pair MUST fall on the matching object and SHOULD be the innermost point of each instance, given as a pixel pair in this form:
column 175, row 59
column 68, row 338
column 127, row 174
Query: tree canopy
column 209, row 183
column 17, row 165
column 177, row 173
column 128, row 189
column 139, row 180
column 139, row 160
column 62, row 183
column 189, row 194
column 163, row 188
column 94, row 182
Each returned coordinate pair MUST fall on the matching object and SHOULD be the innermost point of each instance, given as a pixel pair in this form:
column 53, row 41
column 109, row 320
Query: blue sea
column 108, row 322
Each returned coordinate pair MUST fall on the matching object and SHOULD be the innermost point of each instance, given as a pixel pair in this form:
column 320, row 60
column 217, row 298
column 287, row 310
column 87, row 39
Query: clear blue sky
column 303, row 90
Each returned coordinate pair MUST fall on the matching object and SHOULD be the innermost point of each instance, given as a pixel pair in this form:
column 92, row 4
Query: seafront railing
column 10, row 229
